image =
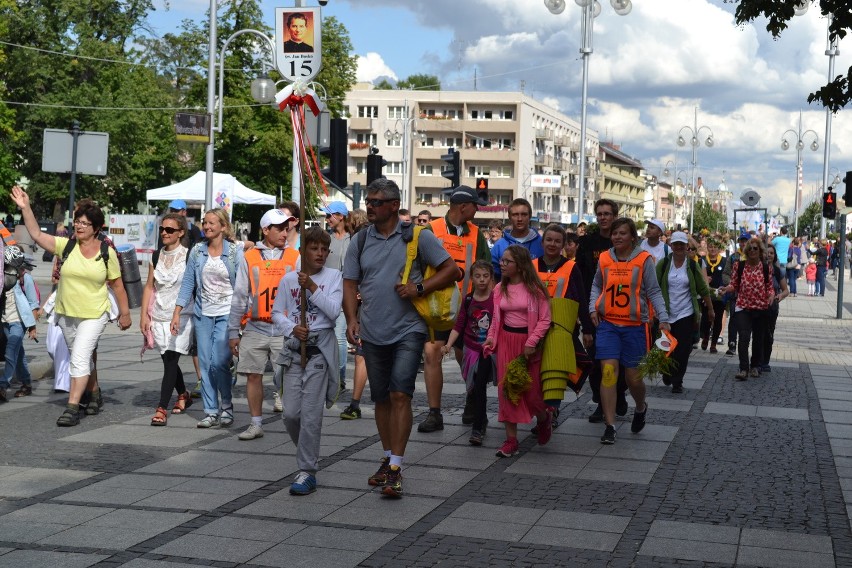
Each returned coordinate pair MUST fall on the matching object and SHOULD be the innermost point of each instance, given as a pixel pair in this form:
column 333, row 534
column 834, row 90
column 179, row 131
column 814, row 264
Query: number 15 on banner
column 298, row 42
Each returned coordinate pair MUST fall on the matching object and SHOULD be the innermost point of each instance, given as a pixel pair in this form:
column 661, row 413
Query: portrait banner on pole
column 298, row 43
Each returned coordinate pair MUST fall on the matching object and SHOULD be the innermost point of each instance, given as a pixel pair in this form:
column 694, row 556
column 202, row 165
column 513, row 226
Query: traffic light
column 847, row 194
column 375, row 163
column 482, row 188
column 829, row 205
column 453, row 170
column 335, row 172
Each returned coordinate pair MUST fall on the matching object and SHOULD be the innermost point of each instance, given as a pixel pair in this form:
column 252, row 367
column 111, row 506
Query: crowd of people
column 304, row 301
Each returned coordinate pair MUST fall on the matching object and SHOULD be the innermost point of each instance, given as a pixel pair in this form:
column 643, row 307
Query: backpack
column 438, row 308
column 741, row 267
column 104, row 251
column 155, row 256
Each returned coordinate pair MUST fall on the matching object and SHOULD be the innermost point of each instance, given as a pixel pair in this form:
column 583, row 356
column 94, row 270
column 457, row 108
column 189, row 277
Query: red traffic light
column 482, row 184
column 829, row 198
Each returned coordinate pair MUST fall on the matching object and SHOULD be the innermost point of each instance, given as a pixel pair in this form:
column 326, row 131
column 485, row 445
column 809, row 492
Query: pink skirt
column 509, row 346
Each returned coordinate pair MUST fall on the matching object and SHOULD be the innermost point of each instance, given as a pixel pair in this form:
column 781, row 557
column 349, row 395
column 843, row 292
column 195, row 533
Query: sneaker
column 508, row 449
column 713, row 350
column 720, row 340
column 467, row 413
column 597, row 415
column 209, row 421
column 554, row 419
column 476, row 437
column 379, row 478
column 545, row 428
column 755, row 372
column 621, row 407
column 741, row 375
column 226, row 417
column 96, row 402
column 393, row 485
column 704, row 343
column 608, row 437
column 730, row 352
column 196, row 392
column 277, row 404
column 251, row 433
column 27, row 390
column 763, row 369
column 667, row 381
column 677, row 389
column 350, row 413
column 433, row 423
column 638, row 420
column 305, row 484
column 68, row 418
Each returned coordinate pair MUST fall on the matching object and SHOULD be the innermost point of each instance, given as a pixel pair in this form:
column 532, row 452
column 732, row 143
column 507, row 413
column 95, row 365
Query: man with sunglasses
column 335, row 217
column 390, row 331
column 424, row 217
column 255, row 288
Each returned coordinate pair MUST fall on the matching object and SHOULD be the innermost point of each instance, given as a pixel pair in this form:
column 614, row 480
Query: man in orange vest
column 251, row 310
column 466, row 244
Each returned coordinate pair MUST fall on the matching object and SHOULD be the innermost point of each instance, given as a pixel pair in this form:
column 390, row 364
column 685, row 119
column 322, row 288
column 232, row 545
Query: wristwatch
column 420, row 290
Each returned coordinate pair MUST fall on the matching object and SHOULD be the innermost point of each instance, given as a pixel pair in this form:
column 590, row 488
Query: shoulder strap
column 360, row 241
column 105, row 256
column 69, row 246
column 155, row 257
column 666, row 249
column 411, row 252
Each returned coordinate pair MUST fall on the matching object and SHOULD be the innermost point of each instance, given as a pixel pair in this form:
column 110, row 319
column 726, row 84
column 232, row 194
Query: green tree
column 811, row 219
column 706, row 217
column 383, row 85
column 837, row 93
column 420, row 82
column 8, row 133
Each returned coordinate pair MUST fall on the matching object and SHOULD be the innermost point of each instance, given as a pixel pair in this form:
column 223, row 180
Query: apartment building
column 522, row 147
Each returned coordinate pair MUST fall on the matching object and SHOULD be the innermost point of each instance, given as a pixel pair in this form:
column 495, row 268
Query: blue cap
column 335, row 207
column 177, row 204
column 744, row 235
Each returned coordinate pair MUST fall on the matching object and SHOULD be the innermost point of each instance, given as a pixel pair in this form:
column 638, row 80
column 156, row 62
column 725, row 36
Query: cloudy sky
column 649, row 71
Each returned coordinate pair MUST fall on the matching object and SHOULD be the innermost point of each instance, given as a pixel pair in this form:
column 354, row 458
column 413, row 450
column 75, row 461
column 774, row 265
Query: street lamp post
column 407, row 147
column 591, row 9
column 800, row 145
column 695, row 132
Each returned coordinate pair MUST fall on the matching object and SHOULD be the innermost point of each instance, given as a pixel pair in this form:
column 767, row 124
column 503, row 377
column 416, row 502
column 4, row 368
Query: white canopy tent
column 227, row 190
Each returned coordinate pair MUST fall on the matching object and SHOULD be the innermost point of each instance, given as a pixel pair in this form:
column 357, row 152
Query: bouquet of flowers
column 657, row 361
column 517, row 380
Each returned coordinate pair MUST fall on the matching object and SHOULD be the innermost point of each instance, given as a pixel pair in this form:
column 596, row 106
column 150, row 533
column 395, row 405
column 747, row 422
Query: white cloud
column 372, row 66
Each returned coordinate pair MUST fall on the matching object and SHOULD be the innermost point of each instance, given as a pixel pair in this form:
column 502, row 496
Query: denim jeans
column 393, row 368
column 792, row 276
column 820, row 281
column 214, row 358
column 16, row 362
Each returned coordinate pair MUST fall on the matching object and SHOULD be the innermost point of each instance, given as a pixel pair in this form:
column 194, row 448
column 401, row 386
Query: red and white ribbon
column 299, row 93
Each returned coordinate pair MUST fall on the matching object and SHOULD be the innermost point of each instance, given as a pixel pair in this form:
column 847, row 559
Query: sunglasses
column 422, row 221
column 169, row 230
column 753, row 248
column 378, row 202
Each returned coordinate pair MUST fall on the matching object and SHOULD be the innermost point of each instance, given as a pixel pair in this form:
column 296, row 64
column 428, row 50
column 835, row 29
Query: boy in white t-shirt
column 305, row 389
column 652, row 243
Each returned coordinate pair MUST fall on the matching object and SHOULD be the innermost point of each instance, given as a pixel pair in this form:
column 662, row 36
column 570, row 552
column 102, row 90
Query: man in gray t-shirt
column 390, row 331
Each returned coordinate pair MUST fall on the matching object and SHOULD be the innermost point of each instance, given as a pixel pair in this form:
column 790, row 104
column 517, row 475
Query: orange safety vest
column 8, row 239
column 264, row 277
column 462, row 248
column 620, row 301
column 551, row 279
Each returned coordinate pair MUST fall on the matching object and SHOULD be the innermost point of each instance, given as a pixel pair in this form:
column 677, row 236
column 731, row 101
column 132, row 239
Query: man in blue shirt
column 782, row 249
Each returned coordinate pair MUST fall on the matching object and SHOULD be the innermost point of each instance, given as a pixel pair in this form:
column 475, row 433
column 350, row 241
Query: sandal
column 183, row 402
column 160, row 417
column 25, row 390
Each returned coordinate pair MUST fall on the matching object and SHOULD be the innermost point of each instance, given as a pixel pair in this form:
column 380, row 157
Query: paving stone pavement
column 754, row 473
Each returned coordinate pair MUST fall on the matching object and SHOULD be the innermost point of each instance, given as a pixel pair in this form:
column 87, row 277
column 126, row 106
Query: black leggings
column 480, row 395
column 682, row 331
column 719, row 312
column 172, row 378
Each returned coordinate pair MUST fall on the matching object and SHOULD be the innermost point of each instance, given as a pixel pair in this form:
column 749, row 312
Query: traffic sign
column 298, row 43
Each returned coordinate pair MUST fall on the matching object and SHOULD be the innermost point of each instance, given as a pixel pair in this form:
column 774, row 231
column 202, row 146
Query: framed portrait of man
column 298, row 39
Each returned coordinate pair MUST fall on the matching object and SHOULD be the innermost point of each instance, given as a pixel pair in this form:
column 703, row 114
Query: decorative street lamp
column 409, row 135
column 591, row 10
column 800, row 145
column 695, row 132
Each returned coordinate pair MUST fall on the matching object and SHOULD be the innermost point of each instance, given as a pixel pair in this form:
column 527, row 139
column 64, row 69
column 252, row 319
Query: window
column 505, row 143
column 425, row 170
column 360, row 166
column 474, row 115
column 395, row 142
column 424, row 197
column 488, row 115
column 501, row 198
column 366, row 138
column 452, row 114
column 397, row 112
column 508, row 115
column 393, row 168
column 452, row 142
column 502, row 171
column 428, row 143
column 479, row 171
column 368, row 112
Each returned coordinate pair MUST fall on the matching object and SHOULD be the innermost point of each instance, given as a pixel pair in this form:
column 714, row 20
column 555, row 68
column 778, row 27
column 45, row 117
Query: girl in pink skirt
column 521, row 319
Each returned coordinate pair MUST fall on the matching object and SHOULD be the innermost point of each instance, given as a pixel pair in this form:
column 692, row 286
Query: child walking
column 20, row 313
column 521, row 319
column 473, row 323
column 810, row 276
column 305, row 389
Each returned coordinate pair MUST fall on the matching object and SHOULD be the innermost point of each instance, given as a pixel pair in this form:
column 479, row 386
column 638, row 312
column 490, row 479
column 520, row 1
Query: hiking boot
column 68, row 418
column 27, row 390
column 763, row 369
column 741, row 375
column 608, row 437
column 433, row 423
column 755, row 372
column 350, row 413
column 96, row 402
column 713, row 350
column 209, row 421
column 277, row 403
column 393, row 485
column 730, row 352
column 250, row 433
column 638, row 420
column 467, row 413
column 379, row 478
column 476, row 437
column 597, row 415
column 305, row 484
column 704, row 343
column 621, row 407
column 508, row 449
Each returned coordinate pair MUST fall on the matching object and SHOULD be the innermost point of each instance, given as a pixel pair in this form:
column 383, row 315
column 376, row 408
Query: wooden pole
column 304, row 293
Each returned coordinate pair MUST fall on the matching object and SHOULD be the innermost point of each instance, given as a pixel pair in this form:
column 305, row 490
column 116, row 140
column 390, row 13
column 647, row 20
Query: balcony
column 546, row 161
column 543, row 134
column 358, row 149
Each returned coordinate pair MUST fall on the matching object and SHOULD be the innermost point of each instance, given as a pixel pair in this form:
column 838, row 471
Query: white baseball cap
column 274, row 217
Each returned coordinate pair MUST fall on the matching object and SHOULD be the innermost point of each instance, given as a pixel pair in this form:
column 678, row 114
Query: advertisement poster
column 137, row 230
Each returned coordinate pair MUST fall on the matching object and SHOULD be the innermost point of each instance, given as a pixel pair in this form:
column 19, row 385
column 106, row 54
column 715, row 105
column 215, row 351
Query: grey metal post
column 75, row 135
column 842, row 259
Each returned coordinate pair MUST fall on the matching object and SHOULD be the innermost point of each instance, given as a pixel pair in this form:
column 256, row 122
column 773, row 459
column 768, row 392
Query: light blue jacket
column 26, row 299
column 232, row 255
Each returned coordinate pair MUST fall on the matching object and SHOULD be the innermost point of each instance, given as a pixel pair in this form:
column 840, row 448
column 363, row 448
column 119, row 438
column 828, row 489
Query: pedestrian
column 252, row 335
column 625, row 283
column 655, row 229
column 520, row 233
column 731, row 299
column 389, row 328
column 682, row 282
column 714, row 267
column 20, row 314
column 309, row 386
column 211, row 272
column 794, row 265
column 570, row 249
column 751, row 281
column 83, row 305
column 165, row 276
column 821, row 258
column 495, row 231
column 810, row 276
column 521, row 320
column 335, row 216
column 779, row 286
column 472, row 325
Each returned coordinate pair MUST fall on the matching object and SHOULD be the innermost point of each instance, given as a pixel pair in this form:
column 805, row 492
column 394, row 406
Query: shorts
column 626, row 343
column 439, row 335
column 393, row 367
column 255, row 350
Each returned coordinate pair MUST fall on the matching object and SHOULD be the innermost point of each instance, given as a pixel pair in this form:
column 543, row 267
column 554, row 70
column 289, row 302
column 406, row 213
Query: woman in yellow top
column 85, row 275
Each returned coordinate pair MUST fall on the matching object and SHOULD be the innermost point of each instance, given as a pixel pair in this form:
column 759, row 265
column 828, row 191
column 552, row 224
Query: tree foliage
column 810, row 219
column 837, row 93
column 420, row 82
column 705, row 217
